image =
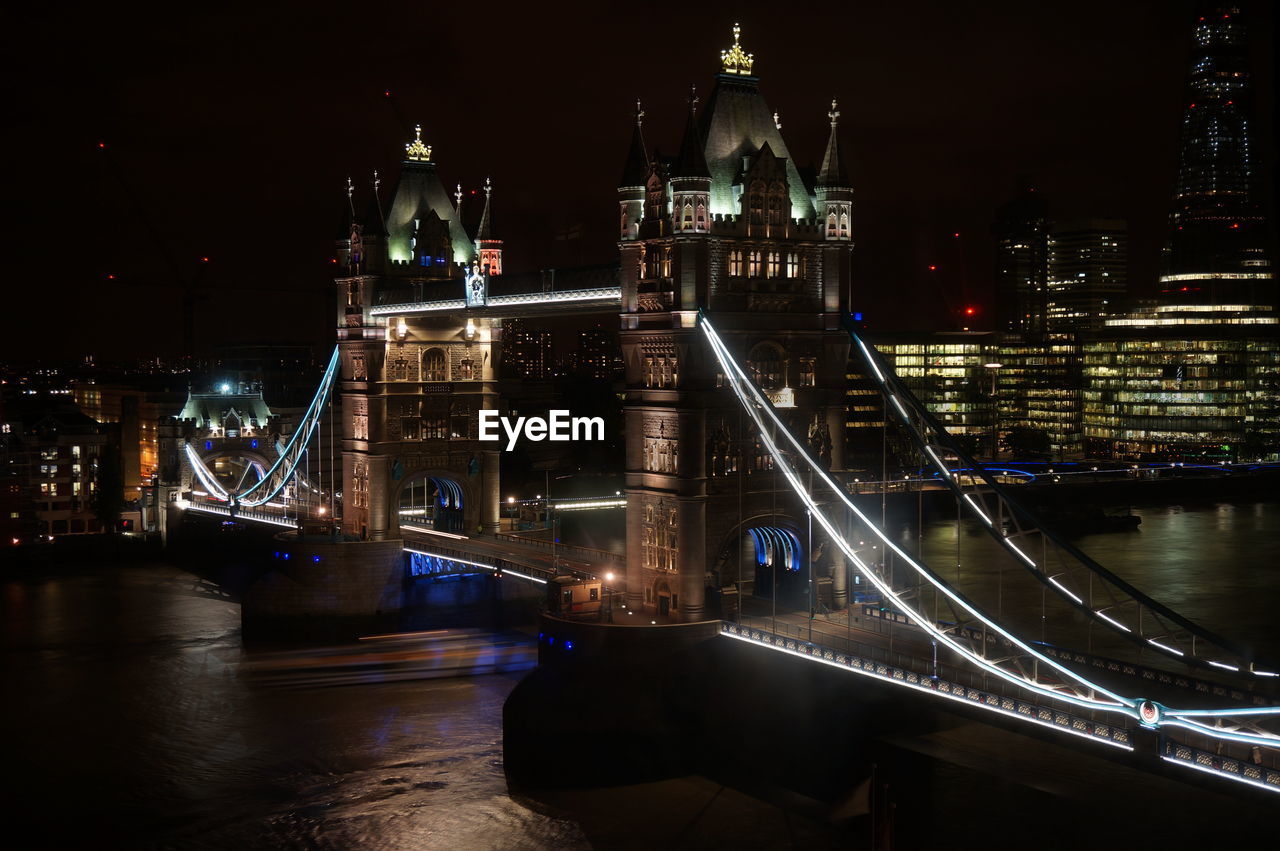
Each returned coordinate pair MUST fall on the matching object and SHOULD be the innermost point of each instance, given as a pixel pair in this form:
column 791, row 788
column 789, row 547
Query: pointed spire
column 637, row 166
column 833, row 171
column 483, row 231
column 457, row 199
column 351, row 203
column 692, row 161
column 777, row 120
column 374, row 222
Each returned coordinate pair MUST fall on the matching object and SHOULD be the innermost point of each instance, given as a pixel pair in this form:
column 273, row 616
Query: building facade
column 412, row 385
column 1088, row 274
column 730, row 226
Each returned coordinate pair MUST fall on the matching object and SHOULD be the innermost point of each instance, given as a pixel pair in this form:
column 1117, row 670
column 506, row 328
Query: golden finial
column 457, row 197
column 488, row 187
column 777, row 120
column 834, row 114
column 639, row 113
column 734, row 60
column 415, row 150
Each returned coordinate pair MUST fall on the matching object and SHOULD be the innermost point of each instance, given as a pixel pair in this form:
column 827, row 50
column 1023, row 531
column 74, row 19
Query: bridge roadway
column 903, row 655
column 503, row 552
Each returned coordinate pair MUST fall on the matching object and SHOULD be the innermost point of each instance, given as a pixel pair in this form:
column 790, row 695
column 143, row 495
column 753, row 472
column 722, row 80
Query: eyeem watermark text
column 558, row 425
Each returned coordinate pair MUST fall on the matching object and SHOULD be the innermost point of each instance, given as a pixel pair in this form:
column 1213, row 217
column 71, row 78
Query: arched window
column 433, row 365
column 702, row 215
column 765, row 363
column 844, row 224
column 687, row 219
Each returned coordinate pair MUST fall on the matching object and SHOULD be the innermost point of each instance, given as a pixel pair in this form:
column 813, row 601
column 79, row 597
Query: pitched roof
column 636, row 168
column 736, row 124
column 833, row 170
column 692, row 161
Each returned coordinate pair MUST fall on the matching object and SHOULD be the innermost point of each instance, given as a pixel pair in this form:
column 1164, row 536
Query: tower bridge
column 732, row 293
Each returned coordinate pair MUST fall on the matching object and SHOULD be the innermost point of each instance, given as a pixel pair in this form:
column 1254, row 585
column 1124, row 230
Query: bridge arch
column 435, row 499
column 230, row 474
column 774, row 554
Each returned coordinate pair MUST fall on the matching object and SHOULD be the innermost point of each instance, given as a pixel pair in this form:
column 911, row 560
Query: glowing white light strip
column 309, row 424
column 942, row 467
column 1059, row 586
column 505, row 571
column 222, row 511
column 964, row 700
column 1224, row 666
column 604, row 294
column 1025, row 557
column 502, row 570
column 1267, row 741
column 203, row 474
column 898, row 405
column 1113, row 622
column 871, row 360
column 436, row 532
column 1257, row 673
column 1216, row 773
column 1165, row 647
column 449, row 558
column 739, row 380
column 981, row 513
column 583, row 506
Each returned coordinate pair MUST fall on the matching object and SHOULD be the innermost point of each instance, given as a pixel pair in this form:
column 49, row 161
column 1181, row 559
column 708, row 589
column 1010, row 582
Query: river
column 131, row 720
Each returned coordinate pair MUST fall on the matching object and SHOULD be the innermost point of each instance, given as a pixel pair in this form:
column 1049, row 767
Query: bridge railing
column 1066, row 654
column 567, row 550
column 922, row 675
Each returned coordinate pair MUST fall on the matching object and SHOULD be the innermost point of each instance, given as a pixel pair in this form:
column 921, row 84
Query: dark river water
column 130, row 718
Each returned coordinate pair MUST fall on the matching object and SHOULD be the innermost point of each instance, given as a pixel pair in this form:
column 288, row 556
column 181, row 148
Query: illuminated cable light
column 1224, row 666
column 1258, row 673
column 1060, row 587
column 974, row 506
column 1113, row 622
column 917, row 687
column 739, row 379
column 942, row 468
column 1125, row 705
column 1165, row 647
column 1024, row 556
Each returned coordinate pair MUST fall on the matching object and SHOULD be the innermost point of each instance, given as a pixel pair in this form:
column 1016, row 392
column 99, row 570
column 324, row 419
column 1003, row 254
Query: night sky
column 230, row 131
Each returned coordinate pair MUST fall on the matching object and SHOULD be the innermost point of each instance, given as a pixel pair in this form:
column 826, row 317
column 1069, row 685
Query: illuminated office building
column 1194, row 374
column 1216, row 250
column 1087, row 273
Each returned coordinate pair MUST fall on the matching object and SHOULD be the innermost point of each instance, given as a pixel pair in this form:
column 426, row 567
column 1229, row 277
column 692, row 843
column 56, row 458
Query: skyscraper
column 1216, row 251
column 1088, row 263
column 1020, row 230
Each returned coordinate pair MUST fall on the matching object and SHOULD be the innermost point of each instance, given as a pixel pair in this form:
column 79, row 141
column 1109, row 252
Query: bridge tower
column 729, row 225
column 412, row 385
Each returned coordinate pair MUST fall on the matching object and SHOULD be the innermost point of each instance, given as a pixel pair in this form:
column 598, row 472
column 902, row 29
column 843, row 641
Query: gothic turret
column 631, row 186
column 691, row 179
column 834, row 190
column 488, row 249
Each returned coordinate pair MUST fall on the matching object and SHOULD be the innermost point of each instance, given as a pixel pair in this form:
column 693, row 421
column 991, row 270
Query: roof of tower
column 736, row 124
column 637, row 166
column 833, row 170
column 692, row 161
column 418, row 192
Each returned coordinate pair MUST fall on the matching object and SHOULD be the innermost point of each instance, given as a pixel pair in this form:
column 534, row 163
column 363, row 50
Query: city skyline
column 911, row 194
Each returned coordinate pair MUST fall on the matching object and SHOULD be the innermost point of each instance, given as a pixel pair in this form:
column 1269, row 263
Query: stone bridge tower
column 412, row 383
column 730, row 225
